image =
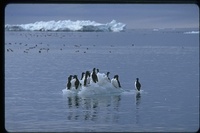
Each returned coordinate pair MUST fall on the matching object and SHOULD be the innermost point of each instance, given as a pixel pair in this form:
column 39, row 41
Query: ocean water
column 37, row 65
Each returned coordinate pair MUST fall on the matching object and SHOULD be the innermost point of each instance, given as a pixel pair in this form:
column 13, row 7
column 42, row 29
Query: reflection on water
column 137, row 102
column 73, row 101
column 99, row 108
column 138, row 99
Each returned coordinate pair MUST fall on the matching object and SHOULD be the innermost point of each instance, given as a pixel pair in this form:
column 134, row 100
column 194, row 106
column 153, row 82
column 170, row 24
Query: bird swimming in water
column 137, row 84
column 115, row 82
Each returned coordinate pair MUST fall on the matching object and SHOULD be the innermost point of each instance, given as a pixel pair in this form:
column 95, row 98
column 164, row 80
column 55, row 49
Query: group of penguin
column 87, row 78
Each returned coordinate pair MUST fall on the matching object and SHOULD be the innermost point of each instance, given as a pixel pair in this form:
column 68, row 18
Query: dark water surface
column 37, row 65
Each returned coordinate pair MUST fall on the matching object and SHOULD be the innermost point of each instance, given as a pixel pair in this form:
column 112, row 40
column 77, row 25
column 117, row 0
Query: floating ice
column 192, row 32
column 68, row 25
column 94, row 89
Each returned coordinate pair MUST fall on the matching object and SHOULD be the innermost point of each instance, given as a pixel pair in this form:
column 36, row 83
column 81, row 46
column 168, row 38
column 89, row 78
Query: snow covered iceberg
column 68, row 25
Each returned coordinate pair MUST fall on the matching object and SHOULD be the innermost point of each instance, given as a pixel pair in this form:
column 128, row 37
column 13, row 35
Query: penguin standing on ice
column 77, row 82
column 87, row 78
column 137, row 84
column 83, row 74
column 117, row 78
column 82, row 78
column 69, row 82
column 97, row 70
column 94, row 76
column 73, row 81
column 97, row 73
column 107, row 74
column 115, row 82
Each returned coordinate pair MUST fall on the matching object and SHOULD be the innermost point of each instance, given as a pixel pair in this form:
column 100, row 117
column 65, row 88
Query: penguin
column 97, row 70
column 103, row 78
column 107, row 74
column 115, row 82
column 99, row 75
column 77, row 82
column 73, row 81
column 87, row 78
column 94, row 76
column 69, row 82
column 137, row 84
column 82, row 78
column 83, row 74
column 117, row 78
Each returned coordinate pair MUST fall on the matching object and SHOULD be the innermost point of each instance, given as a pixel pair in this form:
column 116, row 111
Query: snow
column 93, row 89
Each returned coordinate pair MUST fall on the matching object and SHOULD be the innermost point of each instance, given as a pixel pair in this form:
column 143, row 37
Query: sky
column 133, row 15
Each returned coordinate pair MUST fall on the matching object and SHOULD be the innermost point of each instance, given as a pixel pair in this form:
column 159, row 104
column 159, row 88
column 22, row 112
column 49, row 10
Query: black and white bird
column 82, row 78
column 77, row 82
column 103, row 78
column 69, row 82
column 115, row 82
column 137, row 84
column 94, row 76
column 107, row 74
column 99, row 75
column 82, row 75
column 97, row 70
column 73, row 81
column 86, row 78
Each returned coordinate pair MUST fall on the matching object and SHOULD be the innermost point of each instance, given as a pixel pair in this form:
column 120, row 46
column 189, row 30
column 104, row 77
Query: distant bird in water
column 137, row 84
column 9, row 49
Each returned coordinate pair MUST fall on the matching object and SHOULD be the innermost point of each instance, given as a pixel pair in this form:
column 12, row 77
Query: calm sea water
column 37, row 65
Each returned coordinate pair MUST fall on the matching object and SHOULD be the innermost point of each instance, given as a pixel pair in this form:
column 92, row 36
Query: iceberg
column 68, row 25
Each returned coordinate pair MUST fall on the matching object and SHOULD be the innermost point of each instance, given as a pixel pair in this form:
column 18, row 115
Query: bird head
column 108, row 73
column 116, row 76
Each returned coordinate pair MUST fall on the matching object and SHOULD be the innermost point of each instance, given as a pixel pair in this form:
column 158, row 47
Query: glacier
column 68, row 25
